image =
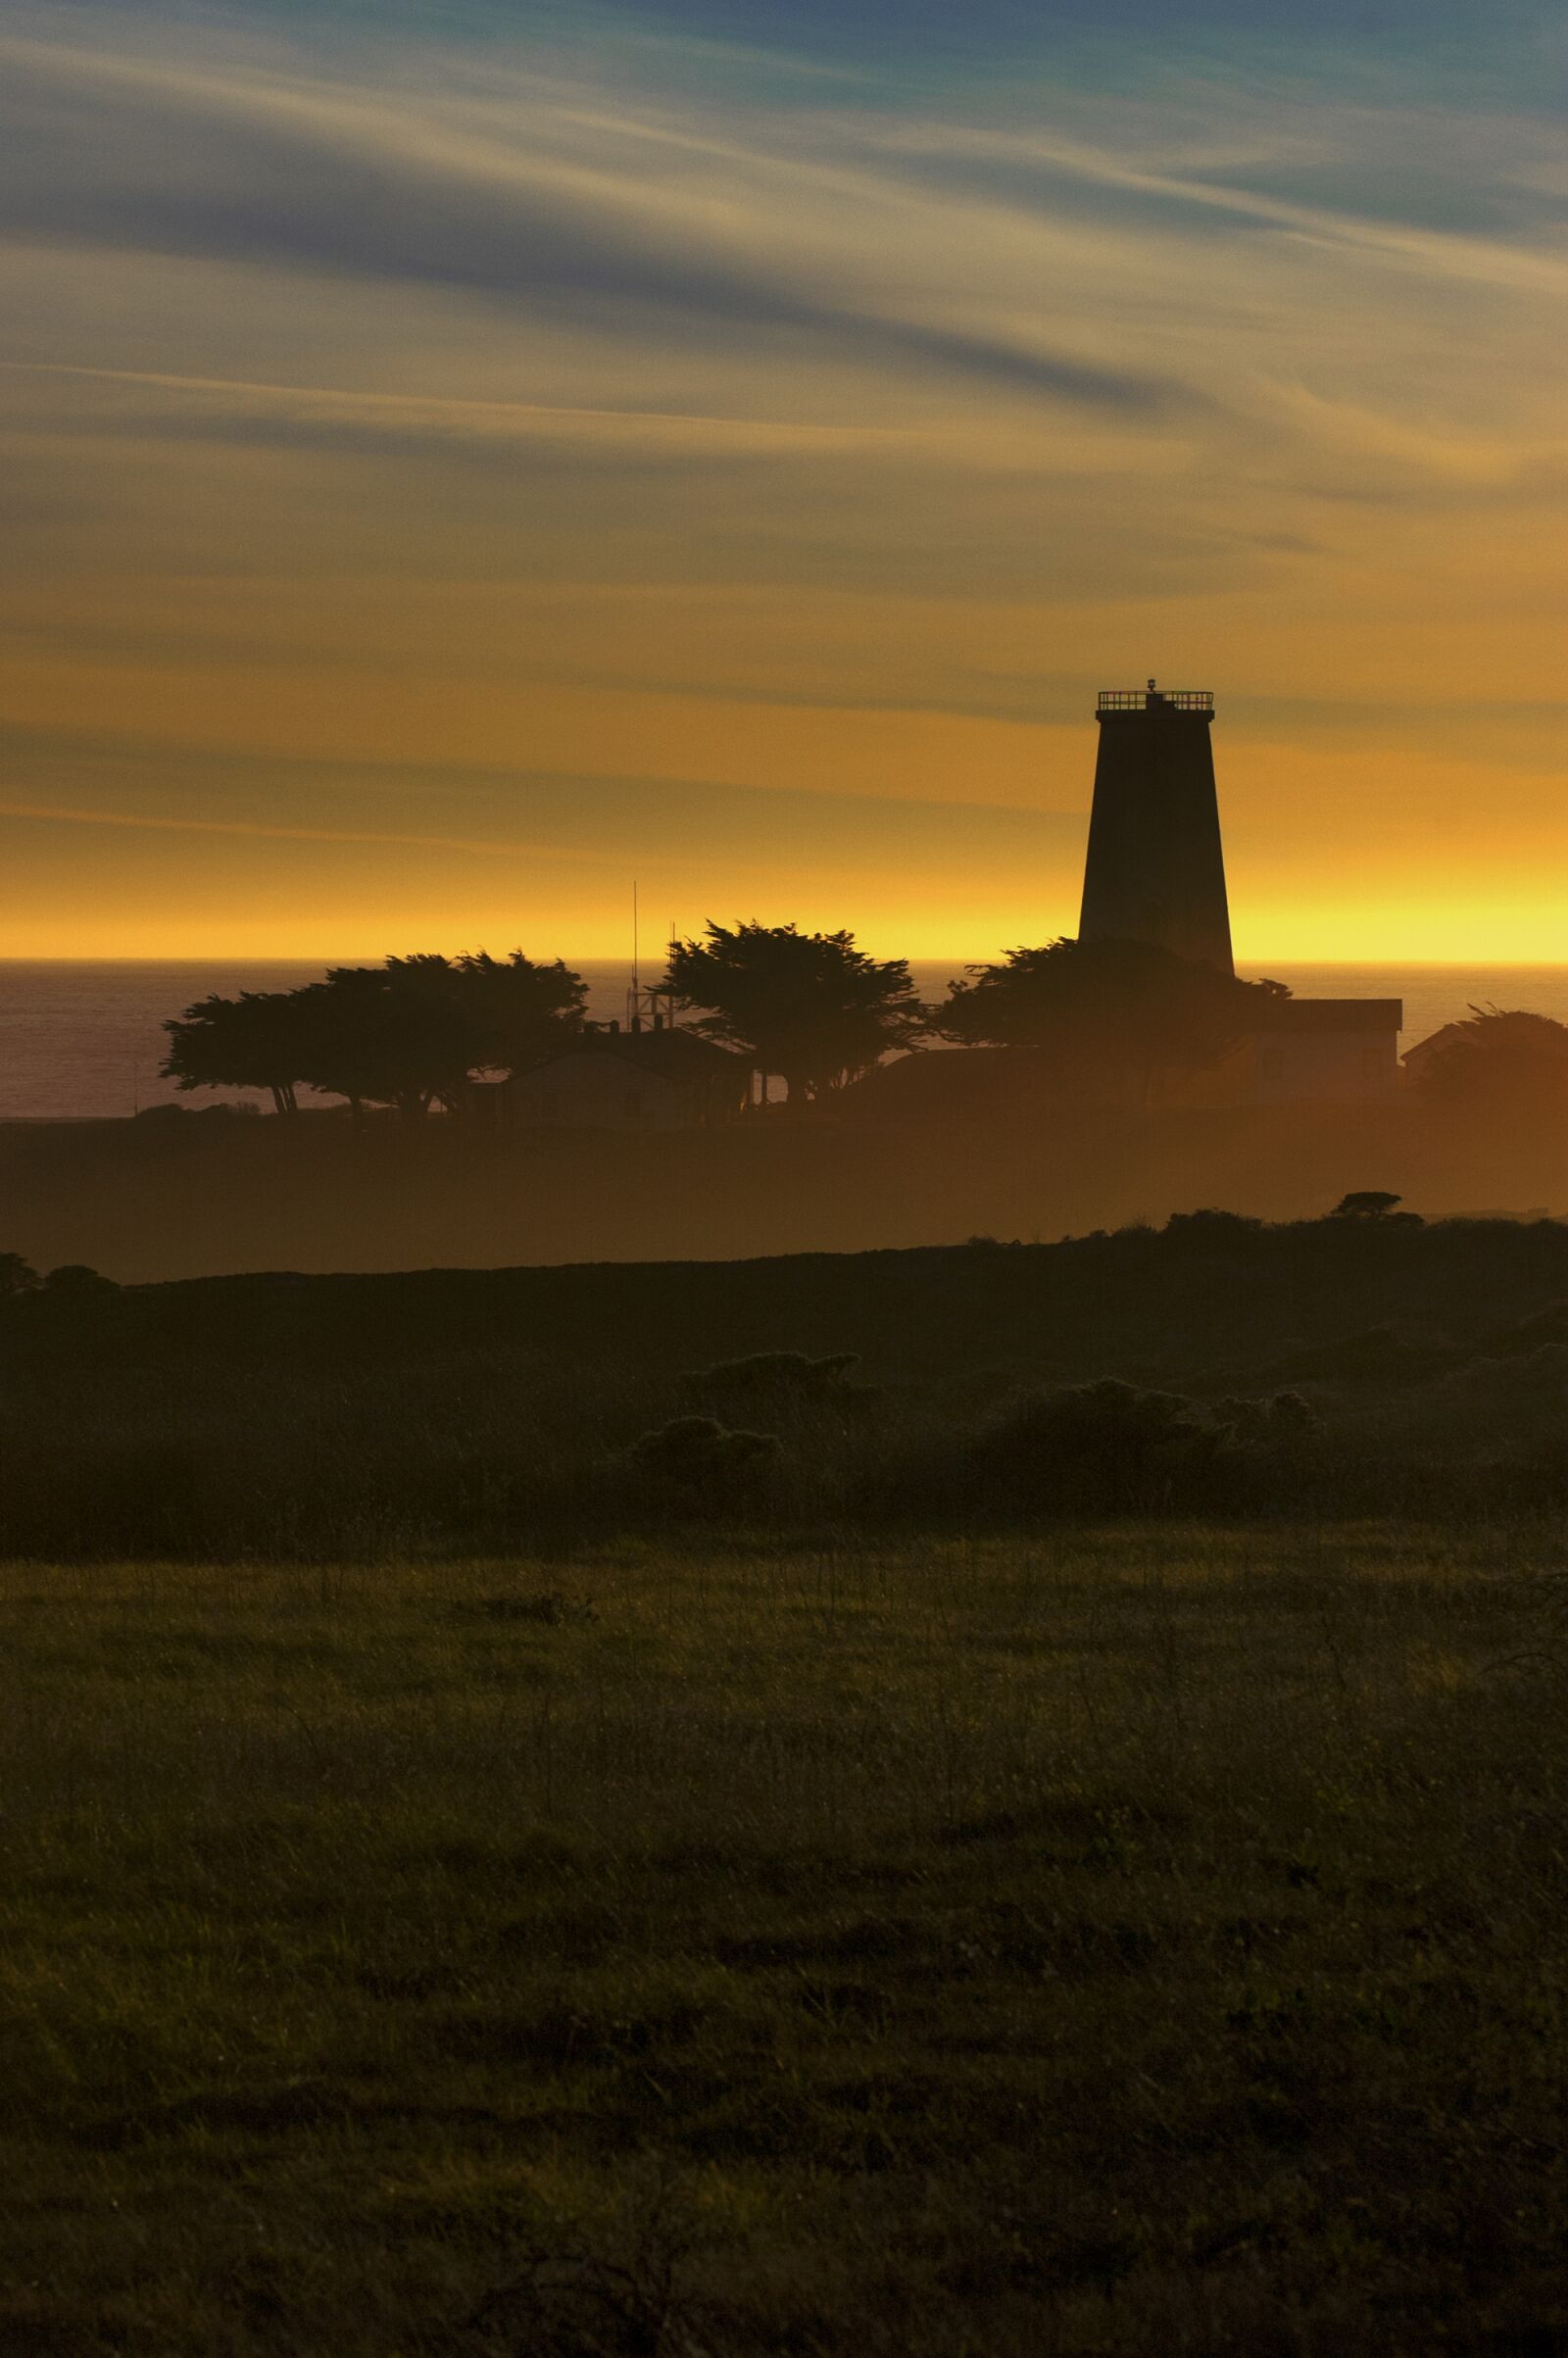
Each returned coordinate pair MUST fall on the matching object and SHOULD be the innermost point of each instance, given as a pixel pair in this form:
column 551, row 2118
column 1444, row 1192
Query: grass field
column 1141, row 1941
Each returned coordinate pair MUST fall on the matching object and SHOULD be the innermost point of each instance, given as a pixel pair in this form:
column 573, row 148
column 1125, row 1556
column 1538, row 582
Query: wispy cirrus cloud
column 445, row 196
column 794, row 417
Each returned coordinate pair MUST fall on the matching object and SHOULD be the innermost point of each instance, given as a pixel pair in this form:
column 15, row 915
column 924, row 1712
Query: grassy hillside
column 1207, row 1291
column 1421, row 1369
column 1147, row 1941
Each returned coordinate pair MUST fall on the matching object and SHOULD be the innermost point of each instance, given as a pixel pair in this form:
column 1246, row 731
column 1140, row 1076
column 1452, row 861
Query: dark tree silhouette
column 1104, row 1011
column 17, row 1276
column 76, row 1281
column 409, row 1033
column 1503, row 1065
column 390, row 1035
column 253, row 1042
column 808, row 1007
column 520, row 1012
column 1364, row 1204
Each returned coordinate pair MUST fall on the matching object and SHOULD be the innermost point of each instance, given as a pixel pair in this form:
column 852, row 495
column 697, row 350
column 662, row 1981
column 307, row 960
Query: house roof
column 1329, row 1015
column 1434, row 1041
column 672, row 1055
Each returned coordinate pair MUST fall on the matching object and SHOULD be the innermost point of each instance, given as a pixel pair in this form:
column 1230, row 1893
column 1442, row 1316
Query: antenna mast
column 650, row 1006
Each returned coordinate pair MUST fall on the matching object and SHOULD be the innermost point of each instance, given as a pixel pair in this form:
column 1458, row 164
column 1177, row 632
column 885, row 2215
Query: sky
column 457, row 462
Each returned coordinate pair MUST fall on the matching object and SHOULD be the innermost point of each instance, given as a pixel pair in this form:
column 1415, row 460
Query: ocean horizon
column 82, row 1039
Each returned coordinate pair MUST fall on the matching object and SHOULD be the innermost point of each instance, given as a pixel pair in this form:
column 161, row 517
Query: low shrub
column 1285, row 1419
column 1106, row 1445
column 703, row 1457
column 789, row 1374
column 77, row 1282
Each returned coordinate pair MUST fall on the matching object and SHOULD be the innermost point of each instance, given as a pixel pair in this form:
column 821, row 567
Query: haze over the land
column 458, row 458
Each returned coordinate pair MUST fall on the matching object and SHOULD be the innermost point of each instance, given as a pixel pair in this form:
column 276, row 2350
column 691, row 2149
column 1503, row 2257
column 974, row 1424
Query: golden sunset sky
column 456, row 460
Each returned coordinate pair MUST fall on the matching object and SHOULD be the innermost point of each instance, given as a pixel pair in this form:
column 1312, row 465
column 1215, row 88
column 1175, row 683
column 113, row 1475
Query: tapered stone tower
column 1155, row 870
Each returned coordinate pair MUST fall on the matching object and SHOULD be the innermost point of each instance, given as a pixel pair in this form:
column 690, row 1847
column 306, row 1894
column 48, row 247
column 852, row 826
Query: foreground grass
column 1133, row 1941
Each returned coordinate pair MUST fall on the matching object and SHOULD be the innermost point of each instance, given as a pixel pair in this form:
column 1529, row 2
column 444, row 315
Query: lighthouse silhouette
column 1155, row 870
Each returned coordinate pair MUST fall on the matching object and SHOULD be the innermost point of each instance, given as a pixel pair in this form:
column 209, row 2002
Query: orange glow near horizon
column 361, row 601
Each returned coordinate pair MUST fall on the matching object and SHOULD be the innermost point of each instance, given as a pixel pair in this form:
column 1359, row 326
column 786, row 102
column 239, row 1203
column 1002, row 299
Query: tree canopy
column 1365, row 1204
column 808, row 1007
column 1502, row 1064
column 256, row 1040
column 1103, row 1012
column 17, row 1275
column 520, row 1010
column 409, row 1033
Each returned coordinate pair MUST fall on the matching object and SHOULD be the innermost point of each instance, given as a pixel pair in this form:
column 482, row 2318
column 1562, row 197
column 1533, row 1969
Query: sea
column 83, row 1041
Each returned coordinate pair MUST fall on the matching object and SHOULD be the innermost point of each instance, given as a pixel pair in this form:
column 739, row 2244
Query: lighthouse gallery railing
column 1138, row 700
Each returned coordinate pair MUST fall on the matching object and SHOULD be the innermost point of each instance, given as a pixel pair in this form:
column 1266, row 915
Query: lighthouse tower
column 1155, row 870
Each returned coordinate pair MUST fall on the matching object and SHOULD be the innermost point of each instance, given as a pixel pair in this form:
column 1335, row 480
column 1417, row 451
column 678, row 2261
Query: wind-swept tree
column 1501, row 1065
column 396, row 1035
column 521, row 1013
column 1104, row 1011
column 808, row 1007
column 409, row 1033
column 1365, row 1204
column 256, row 1040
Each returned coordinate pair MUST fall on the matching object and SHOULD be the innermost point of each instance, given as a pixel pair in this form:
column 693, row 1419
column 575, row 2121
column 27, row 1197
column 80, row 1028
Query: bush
column 1106, row 1446
column 789, row 1373
column 76, row 1281
column 1283, row 1421
column 1209, row 1227
column 699, row 1455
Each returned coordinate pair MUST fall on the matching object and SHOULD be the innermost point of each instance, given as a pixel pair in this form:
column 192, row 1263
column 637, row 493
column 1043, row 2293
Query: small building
column 662, row 1078
column 1326, row 1051
column 1418, row 1060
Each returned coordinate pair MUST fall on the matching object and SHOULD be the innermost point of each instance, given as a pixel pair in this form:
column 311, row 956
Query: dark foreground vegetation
column 1145, row 1939
column 1000, row 1800
column 1336, row 1367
